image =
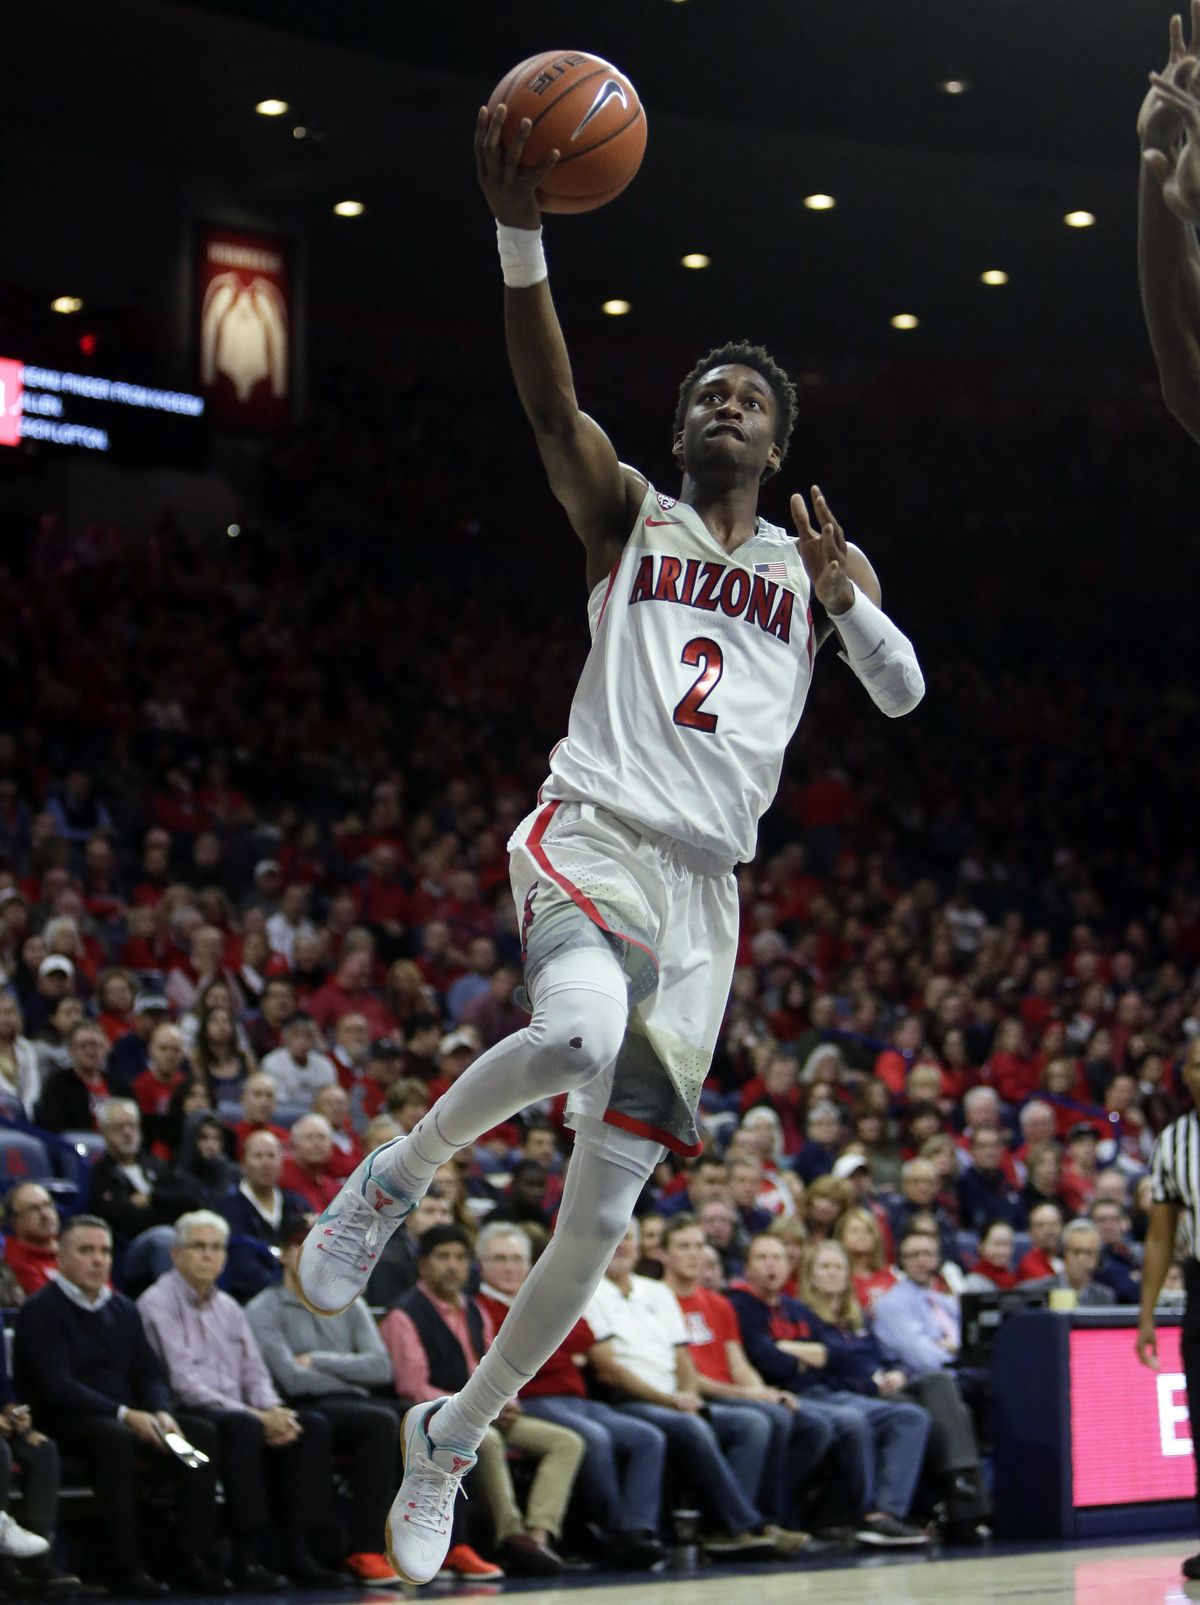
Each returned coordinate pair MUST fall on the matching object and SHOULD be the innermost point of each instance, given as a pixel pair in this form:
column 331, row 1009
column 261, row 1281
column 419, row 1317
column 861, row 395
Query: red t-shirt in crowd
column 560, row 1376
column 1035, row 1265
column 333, row 1001
column 30, row 1264
column 153, row 1097
column 244, row 1130
column 870, row 1288
column 316, row 1191
column 711, row 1324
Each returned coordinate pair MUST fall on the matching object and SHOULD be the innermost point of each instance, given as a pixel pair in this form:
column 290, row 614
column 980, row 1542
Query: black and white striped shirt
column 1175, row 1171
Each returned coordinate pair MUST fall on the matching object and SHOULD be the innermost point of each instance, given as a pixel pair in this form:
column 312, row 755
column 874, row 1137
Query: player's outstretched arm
column 1168, row 208
column 847, row 587
column 599, row 495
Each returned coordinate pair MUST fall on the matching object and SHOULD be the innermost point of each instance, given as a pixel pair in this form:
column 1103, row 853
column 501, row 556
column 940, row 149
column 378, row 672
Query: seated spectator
column 746, row 1181
column 706, row 1177
column 396, row 1271
column 31, row 1236
column 370, row 1091
column 333, row 1102
column 1037, row 1124
column 27, row 1563
column 493, row 1014
column 650, row 1262
column 218, row 1056
column 307, row 1165
column 350, row 992
column 915, row 1321
column 204, row 1157
column 351, row 1044
column 51, row 1043
column 919, row 1182
column 1044, row 1255
column 94, row 1384
column 622, row 1499
column 134, row 1193
column 407, row 1100
column 984, row 1191
column 72, row 1098
column 334, row 1363
column 726, row 1379
column 1120, row 1264
column 436, row 1337
column 993, row 1269
column 855, row 1361
column 878, row 1445
column 20, row 1080
column 259, row 1209
column 276, row 1004
column 649, row 1368
column 871, row 1276
column 55, row 981
column 298, row 1069
column 216, row 1371
column 158, row 1083
column 720, row 1227
column 823, row 1137
column 116, row 990
column 259, row 1102
column 130, row 1054
column 1081, row 1259
column 456, row 1053
column 524, row 1202
column 1081, row 1167
column 1043, row 1177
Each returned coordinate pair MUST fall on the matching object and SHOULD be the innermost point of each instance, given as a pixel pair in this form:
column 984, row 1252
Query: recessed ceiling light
column 905, row 320
column 66, row 303
column 1079, row 219
column 271, row 108
column 695, row 259
column 954, row 86
column 820, row 203
column 233, row 531
column 994, row 276
column 349, row 209
column 616, row 308
column 299, row 132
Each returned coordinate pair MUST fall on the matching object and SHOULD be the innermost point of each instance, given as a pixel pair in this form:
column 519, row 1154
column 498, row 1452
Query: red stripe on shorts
column 584, row 903
column 614, row 1117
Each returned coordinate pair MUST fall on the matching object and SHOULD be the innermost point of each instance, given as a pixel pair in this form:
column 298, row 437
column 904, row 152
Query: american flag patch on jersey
column 772, row 571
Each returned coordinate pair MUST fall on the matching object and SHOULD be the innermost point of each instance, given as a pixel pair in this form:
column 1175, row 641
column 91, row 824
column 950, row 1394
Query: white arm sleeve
column 881, row 656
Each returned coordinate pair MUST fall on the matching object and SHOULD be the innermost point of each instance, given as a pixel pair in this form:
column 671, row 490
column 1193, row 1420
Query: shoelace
column 434, row 1492
column 344, row 1237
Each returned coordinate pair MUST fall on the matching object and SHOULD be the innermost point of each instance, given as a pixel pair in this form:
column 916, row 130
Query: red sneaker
column 372, row 1569
column 462, row 1561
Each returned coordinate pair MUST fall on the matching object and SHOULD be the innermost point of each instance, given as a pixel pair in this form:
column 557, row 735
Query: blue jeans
column 880, row 1444
column 629, row 1503
column 697, row 1452
column 800, row 1440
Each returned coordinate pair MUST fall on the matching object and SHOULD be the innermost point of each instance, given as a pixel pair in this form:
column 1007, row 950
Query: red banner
column 244, row 322
column 1130, row 1438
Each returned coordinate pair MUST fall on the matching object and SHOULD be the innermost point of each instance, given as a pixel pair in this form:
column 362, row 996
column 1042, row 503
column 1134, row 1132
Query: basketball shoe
column 345, row 1241
column 422, row 1514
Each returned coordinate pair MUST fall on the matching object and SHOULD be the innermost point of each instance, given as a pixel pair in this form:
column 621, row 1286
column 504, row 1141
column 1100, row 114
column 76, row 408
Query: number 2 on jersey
column 704, row 655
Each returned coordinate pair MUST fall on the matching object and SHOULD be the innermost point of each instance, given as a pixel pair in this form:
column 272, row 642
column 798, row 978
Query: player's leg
column 580, row 1007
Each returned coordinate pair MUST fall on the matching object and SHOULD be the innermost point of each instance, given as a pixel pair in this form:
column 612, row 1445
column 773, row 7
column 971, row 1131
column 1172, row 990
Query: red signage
column 244, row 322
column 10, row 401
column 1130, row 1438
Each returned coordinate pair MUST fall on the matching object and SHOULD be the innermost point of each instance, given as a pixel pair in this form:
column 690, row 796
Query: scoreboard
column 136, row 424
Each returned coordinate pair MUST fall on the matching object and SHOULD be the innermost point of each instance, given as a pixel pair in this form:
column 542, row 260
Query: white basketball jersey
column 700, row 663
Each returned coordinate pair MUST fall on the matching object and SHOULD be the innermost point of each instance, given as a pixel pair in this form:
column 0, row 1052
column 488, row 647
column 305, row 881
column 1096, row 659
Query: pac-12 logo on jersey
column 713, row 586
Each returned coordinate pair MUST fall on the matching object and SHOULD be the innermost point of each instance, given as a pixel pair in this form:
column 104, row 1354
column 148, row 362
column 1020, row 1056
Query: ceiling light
column 233, row 531
column 820, row 203
column 994, row 276
column 271, row 108
column 66, row 303
column 905, row 320
column 349, row 209
column 695, row 259
column 1079, row 219
column 616, row 308
column 954, row 86
column 299, row 132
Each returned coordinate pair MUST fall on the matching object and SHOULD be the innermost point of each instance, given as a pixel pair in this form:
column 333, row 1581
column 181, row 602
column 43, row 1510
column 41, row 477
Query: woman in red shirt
column 994, row 1267
column 871, row 1276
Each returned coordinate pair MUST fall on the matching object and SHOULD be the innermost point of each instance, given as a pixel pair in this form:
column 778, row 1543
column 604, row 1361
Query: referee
column 1175, row 1171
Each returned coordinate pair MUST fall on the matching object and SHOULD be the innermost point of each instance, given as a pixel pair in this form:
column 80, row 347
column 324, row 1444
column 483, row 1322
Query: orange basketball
column 585, row 109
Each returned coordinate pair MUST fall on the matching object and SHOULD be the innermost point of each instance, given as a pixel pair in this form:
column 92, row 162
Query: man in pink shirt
column 436, row 1337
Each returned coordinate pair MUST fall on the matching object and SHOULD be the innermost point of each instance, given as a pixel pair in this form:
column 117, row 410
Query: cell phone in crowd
column 181, row 1448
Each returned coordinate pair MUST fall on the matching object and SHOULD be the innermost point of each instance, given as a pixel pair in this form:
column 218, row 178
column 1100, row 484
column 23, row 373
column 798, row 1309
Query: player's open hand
column 823, row 552
column 1178, row 172
column 1159, row 124
column 1146, row 1346
column 509, row 187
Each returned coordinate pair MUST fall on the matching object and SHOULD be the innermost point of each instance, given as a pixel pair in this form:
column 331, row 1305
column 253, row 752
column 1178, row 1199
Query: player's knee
column 579, row 1033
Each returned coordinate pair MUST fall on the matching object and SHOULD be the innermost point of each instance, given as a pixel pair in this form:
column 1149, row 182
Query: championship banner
column 244, row 321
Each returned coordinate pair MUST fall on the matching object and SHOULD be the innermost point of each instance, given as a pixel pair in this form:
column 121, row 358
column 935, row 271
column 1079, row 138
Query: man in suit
column 94, row 1384
column 139, row 1195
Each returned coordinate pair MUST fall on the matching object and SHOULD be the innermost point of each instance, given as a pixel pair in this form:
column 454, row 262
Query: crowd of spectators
column 254, row 916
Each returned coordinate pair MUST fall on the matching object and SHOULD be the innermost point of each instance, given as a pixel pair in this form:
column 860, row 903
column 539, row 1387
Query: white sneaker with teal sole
column 421, row 1519
column 345, row 1241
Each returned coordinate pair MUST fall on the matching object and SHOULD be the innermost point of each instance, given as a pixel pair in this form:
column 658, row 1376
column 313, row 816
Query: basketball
column 583, row 107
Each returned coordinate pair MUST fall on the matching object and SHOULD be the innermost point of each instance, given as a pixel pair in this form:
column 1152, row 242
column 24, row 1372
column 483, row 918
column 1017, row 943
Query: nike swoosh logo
column 608, row 90
column 654, row 523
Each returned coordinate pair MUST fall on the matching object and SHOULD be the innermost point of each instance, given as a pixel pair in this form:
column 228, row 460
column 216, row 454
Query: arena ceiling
column 752, row 104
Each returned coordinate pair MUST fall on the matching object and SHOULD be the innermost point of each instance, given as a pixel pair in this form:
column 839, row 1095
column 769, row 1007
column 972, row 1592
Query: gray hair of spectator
column 812, row 1065
column 1077, row 1228
column 978, row 1095
column 117, row 1106
column 496, row 1232
column 255, row 1136
column 80, row 1223
column 910, row 1167
column 306, row 1121
column 760, row 1115
column 55, row 927
column 1034, row 1105
column 200, row 1220
column 824, row 1111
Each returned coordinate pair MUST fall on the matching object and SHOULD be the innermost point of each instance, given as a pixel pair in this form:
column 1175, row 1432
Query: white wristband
column 522, row 260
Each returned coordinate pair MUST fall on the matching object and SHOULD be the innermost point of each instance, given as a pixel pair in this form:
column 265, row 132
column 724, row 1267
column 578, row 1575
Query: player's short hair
column 761, row 360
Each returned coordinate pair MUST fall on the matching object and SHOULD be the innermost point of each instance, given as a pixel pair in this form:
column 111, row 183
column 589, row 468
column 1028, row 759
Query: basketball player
column 702, row 652
column 1168, row 210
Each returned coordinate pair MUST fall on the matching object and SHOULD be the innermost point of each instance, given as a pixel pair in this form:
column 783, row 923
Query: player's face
column 729, row 427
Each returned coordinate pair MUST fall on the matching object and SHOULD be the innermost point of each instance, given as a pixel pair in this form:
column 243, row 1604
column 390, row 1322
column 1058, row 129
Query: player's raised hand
column 1178, row 172
column 509, row 187
column 1159, row 124
column 823, row 553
